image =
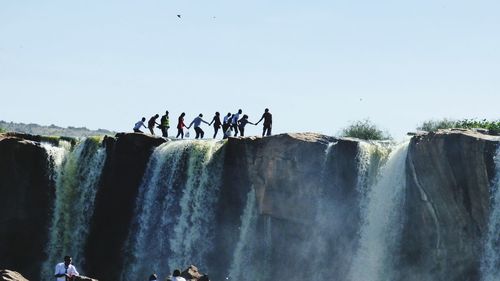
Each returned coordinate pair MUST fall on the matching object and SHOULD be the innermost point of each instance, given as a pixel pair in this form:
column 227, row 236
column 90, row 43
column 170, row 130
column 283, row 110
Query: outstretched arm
column 260, row 120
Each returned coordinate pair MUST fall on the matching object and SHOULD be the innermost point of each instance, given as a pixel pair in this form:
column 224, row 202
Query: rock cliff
column 309, row 191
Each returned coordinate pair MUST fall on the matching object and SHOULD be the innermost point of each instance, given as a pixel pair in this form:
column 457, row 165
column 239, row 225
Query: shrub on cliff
column 366, row 130
column 433, row 125
column 2, row 130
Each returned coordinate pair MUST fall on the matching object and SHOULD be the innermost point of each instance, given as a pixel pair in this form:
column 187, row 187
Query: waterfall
column 75, row 189
column 175, row 209
column 381, row 223
column 490, row 264
column 244, row 253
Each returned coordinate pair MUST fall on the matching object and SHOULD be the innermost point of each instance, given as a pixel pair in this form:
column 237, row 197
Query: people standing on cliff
column 242, row 123
column 226, row 125
column 234, row 122
column 176, row 276
column 197, row 122
column 65, row 270
column 139, row 124
column 165, row 124
column 152, row 123
column 268, row 122
column 216, row 122
column 181, row 126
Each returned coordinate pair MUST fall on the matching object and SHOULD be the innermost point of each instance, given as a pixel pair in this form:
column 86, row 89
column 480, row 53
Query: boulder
column 9, row 275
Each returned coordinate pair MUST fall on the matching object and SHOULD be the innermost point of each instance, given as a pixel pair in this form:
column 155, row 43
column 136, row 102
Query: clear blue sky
column 316, row 64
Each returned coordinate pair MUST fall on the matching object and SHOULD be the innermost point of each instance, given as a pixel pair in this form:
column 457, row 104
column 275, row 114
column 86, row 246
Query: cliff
column 311, row 193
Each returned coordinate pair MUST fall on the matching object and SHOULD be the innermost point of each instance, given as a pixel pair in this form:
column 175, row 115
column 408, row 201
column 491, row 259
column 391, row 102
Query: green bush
column 434, row 125
column 2, row 130
column 366, row 130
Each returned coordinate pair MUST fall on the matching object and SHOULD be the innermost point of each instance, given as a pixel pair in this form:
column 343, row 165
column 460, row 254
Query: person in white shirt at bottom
column 65, row 270
column 176, row 276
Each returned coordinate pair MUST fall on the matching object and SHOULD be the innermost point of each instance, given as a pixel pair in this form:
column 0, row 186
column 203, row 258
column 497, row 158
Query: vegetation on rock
column 366, row 130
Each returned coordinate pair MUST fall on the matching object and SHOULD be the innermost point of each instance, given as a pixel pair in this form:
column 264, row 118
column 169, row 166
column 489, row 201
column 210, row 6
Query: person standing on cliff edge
column 65, row 270
column 152, row 123
column 197, row 122
column 180, row 126
column 268, row 122
column 165, row 124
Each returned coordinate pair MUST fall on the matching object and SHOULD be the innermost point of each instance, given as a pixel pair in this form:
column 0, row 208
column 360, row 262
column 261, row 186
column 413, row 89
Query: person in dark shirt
column 216, row 122
column 152, row 123
column 268, row 122
column 241, row 124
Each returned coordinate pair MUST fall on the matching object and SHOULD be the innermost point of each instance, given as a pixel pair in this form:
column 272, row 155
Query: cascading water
column 490, row 265
column 175, row 209
column 244, row 253
column 76, row 187
column 380, row 229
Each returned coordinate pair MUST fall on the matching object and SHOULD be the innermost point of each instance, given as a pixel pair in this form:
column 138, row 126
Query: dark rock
column 25, row 204
column 126, row 161
column 9, row 275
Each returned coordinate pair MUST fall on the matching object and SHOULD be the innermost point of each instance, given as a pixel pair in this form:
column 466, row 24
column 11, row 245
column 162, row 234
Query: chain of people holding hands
column 231, row 124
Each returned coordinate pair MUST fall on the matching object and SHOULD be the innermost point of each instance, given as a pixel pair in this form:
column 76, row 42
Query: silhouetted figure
column 216, row 122
column 197, row 122
column 234, row 122
column 65, row 270
column 226, row 125
column 152, row 123
column 176, row 276
column 139, row 124
column 242, row 123
column 268, row 122
column 153, row 277
column 165, row 124
column 180, row 126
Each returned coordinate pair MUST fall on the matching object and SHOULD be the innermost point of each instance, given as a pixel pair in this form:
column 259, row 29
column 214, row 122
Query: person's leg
column 268, row 131
column 242, row 131
column 202, row 133
column 264, row 131
column 151, row 130
column 197, row 130
column 216, row 129
column 235, row 127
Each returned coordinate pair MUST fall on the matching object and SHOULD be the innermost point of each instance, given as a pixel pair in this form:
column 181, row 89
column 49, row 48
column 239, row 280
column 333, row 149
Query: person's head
column 245, row 116
column 201, row 115
column 176, row 273
column 153, row 277
column 240, row 111
column 183, row 114
column 266, row 110
column 228, row 114
column 156, row 115
column 217, row 113
column 166, row 112
column 143, row 119
column 67, row 260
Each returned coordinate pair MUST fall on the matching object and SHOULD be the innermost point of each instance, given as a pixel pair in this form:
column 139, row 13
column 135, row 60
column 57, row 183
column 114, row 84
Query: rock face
column 448, row 204
column 25, row 203
column 9, row 275
column 127, row 157
column 307, row 215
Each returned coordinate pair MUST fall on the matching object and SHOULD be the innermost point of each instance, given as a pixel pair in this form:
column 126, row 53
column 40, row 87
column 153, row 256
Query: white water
column 175, row 212
column 76, row 186
column 381, row 229
column 244, row 253
column 490, row 265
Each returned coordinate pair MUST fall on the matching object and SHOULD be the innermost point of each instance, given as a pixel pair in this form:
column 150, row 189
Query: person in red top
column 181, row 126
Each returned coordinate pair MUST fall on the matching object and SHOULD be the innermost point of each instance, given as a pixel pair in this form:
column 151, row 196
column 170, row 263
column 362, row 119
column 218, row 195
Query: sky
column 317, row 65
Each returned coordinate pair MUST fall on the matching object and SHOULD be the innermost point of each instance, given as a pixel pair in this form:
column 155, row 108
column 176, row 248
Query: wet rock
column 9, row 275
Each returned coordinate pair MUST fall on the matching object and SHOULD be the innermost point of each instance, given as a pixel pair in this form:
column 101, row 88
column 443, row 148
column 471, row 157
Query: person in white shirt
column 176, row 276
column 65, row 270
column 139, row 124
